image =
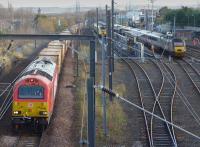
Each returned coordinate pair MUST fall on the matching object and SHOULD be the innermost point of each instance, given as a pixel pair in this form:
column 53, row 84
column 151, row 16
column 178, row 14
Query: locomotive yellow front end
column 30, row 102
column 179, row 48
column 102, row 32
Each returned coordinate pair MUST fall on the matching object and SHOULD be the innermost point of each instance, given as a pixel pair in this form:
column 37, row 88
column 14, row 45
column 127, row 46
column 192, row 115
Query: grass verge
column 116, row 117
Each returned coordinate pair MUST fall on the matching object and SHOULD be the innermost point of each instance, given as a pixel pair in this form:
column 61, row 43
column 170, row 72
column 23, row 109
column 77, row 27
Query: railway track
column 168, row 95
column 168, row 92
column 158, row 133
column 186, row 102
column 192, row 73
column 148, row 94
column 161, row 134
column 23, row 140
column 193, row 52
column 6, row 85
column 27, row 141
column 6, row 93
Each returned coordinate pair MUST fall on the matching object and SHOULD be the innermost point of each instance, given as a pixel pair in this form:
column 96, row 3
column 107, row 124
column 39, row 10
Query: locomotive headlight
column 17, row 112
column 43, row 113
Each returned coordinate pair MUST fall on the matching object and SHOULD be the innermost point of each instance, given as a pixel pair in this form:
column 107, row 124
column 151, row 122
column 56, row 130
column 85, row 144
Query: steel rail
column 191, row 79
column 6, row 103
column 156, row 101
column 20, row 74
column 174, row 79
column 8, row 100
column 140, row 95
column 186, row 71
column 193, row 52
column 193, row 48
column 28, row 140
column 6, row 107
column 187, row 104
column 160, row 106
column 196, row 71
column 190, row 56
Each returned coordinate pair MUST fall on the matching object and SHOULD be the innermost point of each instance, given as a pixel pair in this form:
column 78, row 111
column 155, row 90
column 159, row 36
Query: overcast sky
column 84, row 3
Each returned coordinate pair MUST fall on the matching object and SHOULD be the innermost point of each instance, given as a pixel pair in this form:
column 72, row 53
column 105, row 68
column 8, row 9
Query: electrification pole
column 109, row 49
column 174, row 26
column 97, row 11
column 91, row 98
column 78, row 32
column 104, row 82
column 112, row 34
column 36, row 21
column 152, row 1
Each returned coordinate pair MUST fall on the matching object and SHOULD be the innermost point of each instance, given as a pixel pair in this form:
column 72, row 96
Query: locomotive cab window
column 31, row 92
column 178, row 42
column 103, row 28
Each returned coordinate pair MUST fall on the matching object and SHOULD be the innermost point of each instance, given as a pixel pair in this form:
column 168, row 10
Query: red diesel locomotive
column 34, row 94
column 35, row 91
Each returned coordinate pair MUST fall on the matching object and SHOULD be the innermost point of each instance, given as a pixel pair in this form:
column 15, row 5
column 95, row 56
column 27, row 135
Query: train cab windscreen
column 178, row 42
column 31, row 92
column 102, row 28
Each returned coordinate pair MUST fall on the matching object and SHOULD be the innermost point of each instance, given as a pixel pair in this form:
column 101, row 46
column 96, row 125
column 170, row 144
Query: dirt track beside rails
column 58, row 132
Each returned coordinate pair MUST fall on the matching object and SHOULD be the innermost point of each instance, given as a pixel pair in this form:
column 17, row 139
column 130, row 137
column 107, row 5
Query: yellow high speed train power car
column 100, row 29
column 158, row 41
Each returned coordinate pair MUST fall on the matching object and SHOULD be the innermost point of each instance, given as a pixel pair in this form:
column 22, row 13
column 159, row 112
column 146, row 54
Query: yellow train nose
column 27, row 109
column 180, row 51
